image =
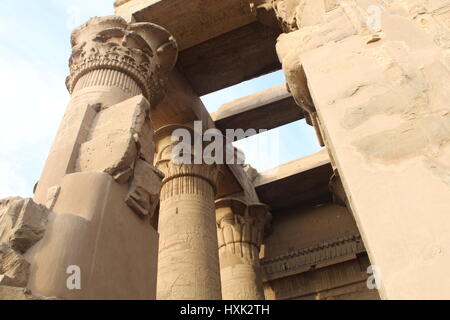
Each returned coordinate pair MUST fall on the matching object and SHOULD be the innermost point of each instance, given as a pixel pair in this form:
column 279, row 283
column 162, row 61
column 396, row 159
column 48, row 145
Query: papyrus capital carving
column 241, row 226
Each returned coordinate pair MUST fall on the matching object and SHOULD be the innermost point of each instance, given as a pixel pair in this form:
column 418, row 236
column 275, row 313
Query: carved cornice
column 241, row 227
column 145, row 52
column 319, row 255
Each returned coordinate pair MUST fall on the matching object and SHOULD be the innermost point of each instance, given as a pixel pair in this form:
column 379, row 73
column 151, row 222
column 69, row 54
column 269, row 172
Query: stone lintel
column 301, row 182
column 266, row 109
column 198, row 21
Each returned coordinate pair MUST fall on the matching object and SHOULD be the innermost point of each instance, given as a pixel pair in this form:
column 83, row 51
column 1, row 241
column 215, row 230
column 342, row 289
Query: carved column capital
column 174, row 169
column 241, row 227
column 142, row 51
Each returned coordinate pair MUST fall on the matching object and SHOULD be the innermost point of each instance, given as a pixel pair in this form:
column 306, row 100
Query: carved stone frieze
column 321, row 254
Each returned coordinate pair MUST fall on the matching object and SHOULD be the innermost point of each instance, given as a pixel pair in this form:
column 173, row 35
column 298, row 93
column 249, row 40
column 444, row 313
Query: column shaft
column 240, row 230
column 188, row 262
column 188, row 266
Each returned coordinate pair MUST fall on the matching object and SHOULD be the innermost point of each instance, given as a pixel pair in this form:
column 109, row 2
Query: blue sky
column 34, row 50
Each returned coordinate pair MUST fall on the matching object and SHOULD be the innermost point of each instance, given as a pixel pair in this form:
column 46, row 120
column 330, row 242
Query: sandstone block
column 22, row 223
column 14, row 269
column 13, row 293
column 112, row 154
column 143, row 197
column 118, row 135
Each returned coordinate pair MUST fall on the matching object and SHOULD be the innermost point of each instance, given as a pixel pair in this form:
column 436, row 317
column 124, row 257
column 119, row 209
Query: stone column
column 376, row 75
column 99, row 181
column 188, row 262
column 240, row 230
column 111, row 61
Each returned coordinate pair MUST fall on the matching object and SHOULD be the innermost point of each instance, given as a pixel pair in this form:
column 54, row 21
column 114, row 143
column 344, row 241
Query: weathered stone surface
column 112, row 154
column 8, row 292
column 92, row 227
column 143, row 196
column 336, row 25
column 52, row 196
column 119, row 134
column 387, row 126
column 13, row 293
column 14, row 269
column 22, row 223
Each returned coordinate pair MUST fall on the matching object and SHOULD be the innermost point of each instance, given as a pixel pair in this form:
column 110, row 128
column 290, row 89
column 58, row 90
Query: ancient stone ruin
column 115, row 216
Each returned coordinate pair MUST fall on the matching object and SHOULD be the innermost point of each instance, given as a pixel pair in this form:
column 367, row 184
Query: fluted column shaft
column 240, row 230
column 188, row 262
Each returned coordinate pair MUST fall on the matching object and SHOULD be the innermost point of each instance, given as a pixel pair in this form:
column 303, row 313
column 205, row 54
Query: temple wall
column 375, row 75
column 315, row 253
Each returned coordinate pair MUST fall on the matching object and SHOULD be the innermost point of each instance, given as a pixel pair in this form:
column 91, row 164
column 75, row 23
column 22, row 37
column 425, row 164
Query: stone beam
column 193, row 21
column 298, row 183
column 239, row 55
column 221, row 43
column 181, row 105
column 267, row 109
